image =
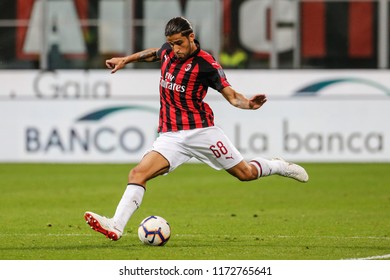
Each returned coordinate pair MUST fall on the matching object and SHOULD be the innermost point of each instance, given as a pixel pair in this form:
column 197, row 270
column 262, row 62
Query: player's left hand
column 256, row 101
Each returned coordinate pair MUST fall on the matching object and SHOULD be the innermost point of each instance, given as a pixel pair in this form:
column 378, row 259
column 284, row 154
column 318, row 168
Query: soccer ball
column 154, row 231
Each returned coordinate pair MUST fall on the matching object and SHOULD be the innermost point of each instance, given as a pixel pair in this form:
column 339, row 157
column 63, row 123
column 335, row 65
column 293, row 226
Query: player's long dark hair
column 178, row 25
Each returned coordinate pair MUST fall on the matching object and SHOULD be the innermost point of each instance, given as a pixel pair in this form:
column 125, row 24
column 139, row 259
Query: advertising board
column 92, row 116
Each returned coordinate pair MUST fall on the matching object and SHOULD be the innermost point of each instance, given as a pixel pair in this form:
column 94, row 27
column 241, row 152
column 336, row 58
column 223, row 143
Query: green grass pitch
column 342, row 213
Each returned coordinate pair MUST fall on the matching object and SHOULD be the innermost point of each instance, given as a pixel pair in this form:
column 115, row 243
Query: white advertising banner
column 93, row 116
column 100, row 84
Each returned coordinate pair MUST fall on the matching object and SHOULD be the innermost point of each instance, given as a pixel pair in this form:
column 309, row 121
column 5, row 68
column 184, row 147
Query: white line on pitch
column 211, row 235
column 373, row 258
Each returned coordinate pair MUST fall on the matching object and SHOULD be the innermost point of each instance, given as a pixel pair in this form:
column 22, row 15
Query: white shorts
column 209, row 145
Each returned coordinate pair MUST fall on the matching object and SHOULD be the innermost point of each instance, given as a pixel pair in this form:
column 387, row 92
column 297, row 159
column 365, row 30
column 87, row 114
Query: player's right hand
column 115, row 64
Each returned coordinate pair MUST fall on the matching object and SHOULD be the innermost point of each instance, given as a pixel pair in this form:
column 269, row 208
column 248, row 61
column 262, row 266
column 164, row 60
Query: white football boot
column 103, row 225
column 293, row 170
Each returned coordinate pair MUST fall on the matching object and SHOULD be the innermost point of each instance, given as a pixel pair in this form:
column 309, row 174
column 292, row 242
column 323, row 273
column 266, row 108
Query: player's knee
column 136, row 175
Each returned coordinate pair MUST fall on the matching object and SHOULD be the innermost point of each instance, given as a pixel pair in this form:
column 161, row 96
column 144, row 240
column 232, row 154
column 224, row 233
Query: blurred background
column 249, row 34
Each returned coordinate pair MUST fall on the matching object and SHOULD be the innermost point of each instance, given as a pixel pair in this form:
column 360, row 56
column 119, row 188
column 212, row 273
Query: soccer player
column 186, row 123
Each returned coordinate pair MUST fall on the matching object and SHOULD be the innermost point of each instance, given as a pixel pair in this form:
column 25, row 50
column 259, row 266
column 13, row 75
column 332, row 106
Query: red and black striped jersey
column 183, row 86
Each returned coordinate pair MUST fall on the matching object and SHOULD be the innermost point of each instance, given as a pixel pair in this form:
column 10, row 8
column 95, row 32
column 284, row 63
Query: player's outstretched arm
column 240, row 101
column 117, row 63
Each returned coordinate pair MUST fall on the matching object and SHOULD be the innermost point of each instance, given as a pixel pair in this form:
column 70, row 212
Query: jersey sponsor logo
column 172, row 86
column 169, row 84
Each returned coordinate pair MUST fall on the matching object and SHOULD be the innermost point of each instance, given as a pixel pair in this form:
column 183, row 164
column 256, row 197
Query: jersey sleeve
column 216, row 77
column 162, row 50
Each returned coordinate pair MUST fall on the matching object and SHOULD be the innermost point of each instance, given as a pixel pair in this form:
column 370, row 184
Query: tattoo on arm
column 148, row 56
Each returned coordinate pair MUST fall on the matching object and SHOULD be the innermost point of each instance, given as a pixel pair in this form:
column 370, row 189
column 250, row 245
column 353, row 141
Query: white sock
column 266, row 167
column 130, row 202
